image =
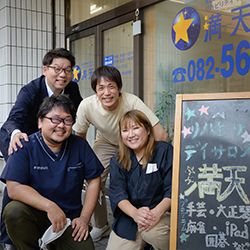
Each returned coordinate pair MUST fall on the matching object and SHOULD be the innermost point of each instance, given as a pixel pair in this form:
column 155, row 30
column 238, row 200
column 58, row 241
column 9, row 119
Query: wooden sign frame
column 177, row 143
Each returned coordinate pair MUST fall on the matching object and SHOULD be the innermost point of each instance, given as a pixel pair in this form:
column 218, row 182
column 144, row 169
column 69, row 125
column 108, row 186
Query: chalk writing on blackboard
column 214, row 175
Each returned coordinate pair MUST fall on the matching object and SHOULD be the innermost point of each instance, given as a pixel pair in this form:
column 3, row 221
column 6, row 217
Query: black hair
column 58, row 53
column 108, row 73
column 53, row 101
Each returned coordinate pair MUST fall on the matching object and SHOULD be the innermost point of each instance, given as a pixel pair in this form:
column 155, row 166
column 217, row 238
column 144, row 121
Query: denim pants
column 25, row 225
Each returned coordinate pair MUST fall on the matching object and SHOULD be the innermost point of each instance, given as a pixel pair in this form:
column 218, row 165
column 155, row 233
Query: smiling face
column 54, row 134
column 108, row 94
column 57, row 82
column 135, row 136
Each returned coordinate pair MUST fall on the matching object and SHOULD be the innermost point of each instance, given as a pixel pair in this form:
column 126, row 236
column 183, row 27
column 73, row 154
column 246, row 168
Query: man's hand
column 57, row 217
column 16, row 140
column 81, row 228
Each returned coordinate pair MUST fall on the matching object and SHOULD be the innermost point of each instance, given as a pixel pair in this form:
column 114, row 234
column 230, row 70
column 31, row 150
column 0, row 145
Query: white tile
column 29, row 19
column 34, row 38
column 29, row 58
column 5, row 36
column 6, row 110
column 24, row 18
column 13, row 3
column 12, row 12
column 62, row 7
column 34, row 21
column 60, row 40
column 13, row 38
column 30, row 74
column 19, row 73
column 39, row 20
column 49, row 39
column 44, row 6
column 18, row 4
column 57, row 6
column 7, row 17
column 2, row 18
column 24, row 56
column 39, row 40
column 18, row 18
column 8, row 55
column 44, row 40
column 40, row 57
column 34, row 59
column 39, row 5
column 2, row 4
column 24, row 4
column 62, row 22
column 28, row 4
column 33, row 5
column 25, row 75
column 5, row 93
column 29, row 38
column 44, row 21
column 19, row 37
column 2, row 63
column 1, row 74
column 13, row 92
column 24, row 37
column 48, row 6
column 49, row 23
column 14, row 56
column 8, row 72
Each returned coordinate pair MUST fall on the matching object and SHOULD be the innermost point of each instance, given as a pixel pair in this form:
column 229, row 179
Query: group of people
column 47, row 164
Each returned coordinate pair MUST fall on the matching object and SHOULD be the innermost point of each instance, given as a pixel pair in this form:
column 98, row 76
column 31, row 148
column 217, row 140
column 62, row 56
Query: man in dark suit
column 56, row 79
column 22, row 120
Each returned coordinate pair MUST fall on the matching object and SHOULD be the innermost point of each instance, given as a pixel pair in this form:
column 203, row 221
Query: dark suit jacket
column 23, row 114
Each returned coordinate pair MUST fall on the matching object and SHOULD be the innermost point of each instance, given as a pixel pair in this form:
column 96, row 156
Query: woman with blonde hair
column 140, row 186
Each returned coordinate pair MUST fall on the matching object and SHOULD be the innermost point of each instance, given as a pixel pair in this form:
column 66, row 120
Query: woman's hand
column 144, row 218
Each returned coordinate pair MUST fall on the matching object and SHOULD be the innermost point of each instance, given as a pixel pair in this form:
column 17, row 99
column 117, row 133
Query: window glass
column 199, row 47
column 86, row 9
column 84, row 51
column 118, row 52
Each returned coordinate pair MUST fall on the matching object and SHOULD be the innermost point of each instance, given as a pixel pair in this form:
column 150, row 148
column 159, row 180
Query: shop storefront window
column 198, row 47
column 84, row 51
column 85, row 9
column 118, row 52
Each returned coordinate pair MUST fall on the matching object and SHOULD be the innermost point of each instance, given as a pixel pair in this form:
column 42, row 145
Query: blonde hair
column 124, row 152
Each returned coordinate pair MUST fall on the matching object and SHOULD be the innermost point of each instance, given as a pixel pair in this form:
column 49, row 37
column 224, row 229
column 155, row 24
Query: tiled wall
column 25, row 36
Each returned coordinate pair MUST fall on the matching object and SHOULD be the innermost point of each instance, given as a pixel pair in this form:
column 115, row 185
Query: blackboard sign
column 211, row 172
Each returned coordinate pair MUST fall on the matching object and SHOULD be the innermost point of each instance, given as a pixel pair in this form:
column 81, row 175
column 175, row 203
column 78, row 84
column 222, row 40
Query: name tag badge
column 151, row 167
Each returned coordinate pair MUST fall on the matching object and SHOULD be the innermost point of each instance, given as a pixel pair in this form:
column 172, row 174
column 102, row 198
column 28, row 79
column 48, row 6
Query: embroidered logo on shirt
column 151, row 167
column 41, row 168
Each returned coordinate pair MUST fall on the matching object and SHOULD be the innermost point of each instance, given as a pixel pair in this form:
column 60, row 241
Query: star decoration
column 186, row 131
column 181, row 28
column 76, row 71
column 183, row 237
column 206, row 26
column 203, row 110
column 181, row 196
column 206, row 18
column 189, row 113
column 190, row 170
column 189, row 180
column 220, row 114
column 245, row 136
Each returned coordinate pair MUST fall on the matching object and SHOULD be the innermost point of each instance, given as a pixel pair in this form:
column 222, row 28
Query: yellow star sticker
column 206, row 18
column 206, row 25
column 181, row 28
column 75, row 74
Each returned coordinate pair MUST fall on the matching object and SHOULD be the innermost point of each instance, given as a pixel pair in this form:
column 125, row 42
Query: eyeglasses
column 58, row 70
column 66, row 121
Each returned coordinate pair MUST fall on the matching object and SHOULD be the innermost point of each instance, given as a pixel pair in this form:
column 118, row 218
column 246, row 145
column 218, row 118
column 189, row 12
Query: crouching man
column 44, row 180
